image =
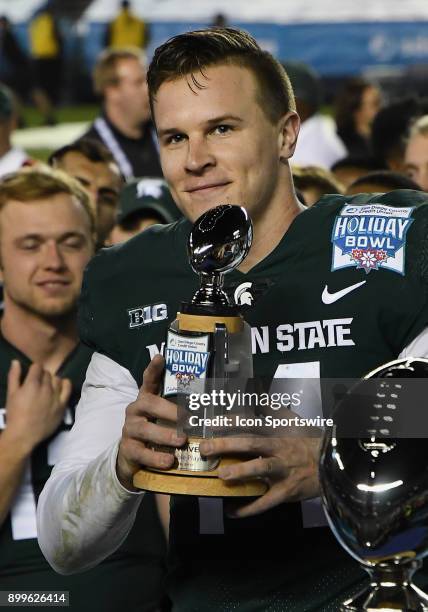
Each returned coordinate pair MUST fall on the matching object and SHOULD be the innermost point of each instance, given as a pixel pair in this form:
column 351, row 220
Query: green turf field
column 64, row 114
column 31, row 118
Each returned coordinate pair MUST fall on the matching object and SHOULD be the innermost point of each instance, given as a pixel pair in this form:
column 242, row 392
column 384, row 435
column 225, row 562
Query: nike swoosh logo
column 330, row 298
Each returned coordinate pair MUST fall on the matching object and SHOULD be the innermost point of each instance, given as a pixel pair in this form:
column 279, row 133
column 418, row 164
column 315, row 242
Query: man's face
column 416, row 160
column 216, row 144
column 44, row 247
column 102, row 181
column 130, row 94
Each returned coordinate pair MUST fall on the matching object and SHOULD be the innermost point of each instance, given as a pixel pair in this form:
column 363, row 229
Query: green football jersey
column 344, row 291
column 131, row 577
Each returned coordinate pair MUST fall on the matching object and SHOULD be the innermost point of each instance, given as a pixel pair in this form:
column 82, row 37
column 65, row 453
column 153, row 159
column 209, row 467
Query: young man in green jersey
column 330, row 291
column 46, row 240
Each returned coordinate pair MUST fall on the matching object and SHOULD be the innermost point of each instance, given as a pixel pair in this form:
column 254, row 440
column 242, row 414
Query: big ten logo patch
column 143, row 315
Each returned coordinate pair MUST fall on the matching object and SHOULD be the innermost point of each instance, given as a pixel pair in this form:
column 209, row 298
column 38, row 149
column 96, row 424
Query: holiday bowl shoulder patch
column 370, row 237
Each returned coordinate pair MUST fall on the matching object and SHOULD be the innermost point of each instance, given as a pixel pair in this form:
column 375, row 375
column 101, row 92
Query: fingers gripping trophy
column 207, row 347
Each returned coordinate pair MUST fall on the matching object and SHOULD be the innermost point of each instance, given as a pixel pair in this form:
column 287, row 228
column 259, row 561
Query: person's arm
column 85, row 510
column 34, row 410
column 84, row 513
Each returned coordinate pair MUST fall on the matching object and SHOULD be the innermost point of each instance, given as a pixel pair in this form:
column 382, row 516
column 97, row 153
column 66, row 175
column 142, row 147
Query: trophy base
column 390, row 590
column 200, row 484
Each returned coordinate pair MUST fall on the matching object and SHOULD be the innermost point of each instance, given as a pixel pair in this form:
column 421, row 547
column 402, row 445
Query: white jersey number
column 306, row 381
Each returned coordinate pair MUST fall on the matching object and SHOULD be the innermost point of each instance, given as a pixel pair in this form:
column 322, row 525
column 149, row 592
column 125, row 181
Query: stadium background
column 384, row 40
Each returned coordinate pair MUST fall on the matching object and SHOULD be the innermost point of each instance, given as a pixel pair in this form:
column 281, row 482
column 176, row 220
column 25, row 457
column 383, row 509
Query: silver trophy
column 218, row 243
column 208, row 346
column 374, row 484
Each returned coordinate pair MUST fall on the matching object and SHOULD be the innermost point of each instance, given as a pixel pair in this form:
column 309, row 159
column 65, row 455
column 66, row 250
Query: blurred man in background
column 11, row 158
column 15, row 65
column 141, row 204
column 127, row 29
column 17, row 72
column 124, row 125
column 92, row 164
column 416, row 153
column 46, row 52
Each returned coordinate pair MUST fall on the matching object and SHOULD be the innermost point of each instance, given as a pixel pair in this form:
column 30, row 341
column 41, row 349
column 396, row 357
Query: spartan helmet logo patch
column 246, row 295
column 242, row 295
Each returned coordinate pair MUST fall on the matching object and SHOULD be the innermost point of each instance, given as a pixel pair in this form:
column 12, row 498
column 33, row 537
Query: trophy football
column 208, row 347
column 374, row 482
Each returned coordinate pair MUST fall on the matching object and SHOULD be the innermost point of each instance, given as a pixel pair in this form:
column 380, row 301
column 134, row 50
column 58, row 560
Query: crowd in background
column 364, row 143
column 361, row 132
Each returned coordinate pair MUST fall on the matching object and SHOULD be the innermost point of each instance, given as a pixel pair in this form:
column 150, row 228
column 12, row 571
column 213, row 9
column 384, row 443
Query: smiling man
column 46, row 240
column 227, row 127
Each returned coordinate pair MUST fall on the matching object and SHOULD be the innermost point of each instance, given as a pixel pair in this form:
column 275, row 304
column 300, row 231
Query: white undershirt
column 84, row 513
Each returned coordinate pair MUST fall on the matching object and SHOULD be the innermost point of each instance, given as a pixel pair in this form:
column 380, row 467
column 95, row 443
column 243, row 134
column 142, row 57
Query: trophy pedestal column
column 390, row 590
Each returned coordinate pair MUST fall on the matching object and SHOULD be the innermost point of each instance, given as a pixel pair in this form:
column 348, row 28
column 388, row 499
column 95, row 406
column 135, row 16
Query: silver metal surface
column 375, row 490
column 218, row 243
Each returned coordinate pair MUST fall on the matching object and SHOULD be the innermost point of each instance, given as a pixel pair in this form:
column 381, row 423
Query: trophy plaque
column 208, row 346
column 375, row 484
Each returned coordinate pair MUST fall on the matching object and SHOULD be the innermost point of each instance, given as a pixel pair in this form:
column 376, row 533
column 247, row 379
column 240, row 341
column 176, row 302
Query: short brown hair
column 90, row 148
column 191, row 52
column 315, row 177
column 43, row 182
column 105, row 71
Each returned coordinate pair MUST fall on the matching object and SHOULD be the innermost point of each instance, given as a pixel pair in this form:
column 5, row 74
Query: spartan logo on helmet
column 242, row 295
